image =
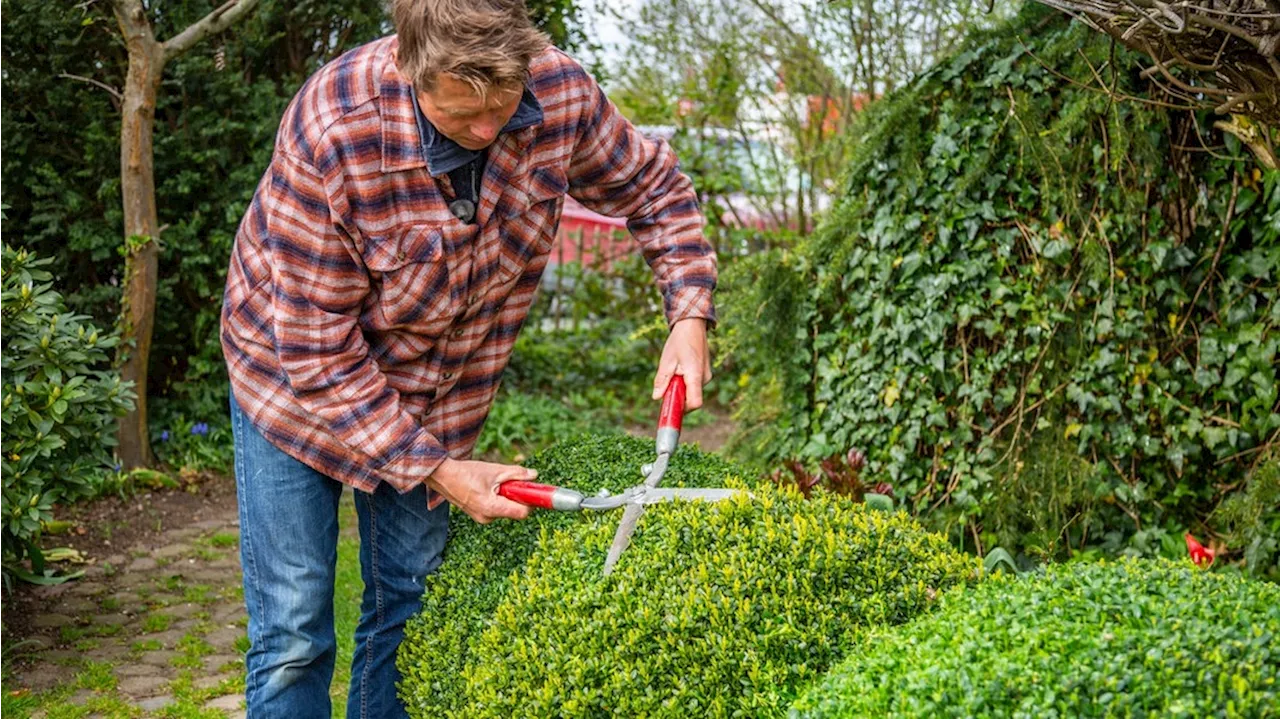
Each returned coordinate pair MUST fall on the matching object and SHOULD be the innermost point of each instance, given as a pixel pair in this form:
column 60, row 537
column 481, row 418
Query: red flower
column 1201, row 555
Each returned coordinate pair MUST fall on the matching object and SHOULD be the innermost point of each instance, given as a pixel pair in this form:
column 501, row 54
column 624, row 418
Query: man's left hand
column 685, row 354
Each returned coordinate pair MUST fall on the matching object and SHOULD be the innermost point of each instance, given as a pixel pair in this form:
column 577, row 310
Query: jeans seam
column 377, row 602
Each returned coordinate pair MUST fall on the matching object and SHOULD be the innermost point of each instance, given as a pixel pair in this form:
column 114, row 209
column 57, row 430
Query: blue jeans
column 288, row 549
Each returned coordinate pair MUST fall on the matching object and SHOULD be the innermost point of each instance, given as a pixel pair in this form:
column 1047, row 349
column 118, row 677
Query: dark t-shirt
column 466, row 182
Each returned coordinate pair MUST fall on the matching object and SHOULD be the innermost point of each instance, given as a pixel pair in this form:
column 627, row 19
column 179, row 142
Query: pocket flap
column 543, row 184
column 392, row 252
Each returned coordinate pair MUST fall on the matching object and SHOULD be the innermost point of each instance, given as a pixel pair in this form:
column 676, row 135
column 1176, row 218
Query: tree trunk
column 138, row 189
column 147, row 58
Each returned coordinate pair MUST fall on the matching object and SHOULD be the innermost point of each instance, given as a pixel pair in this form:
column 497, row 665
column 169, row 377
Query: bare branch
column 228, row 14
column 1255, row 138
column 119, row 97
column 1232, row 46
column 1155, row 57
column 1229, row 105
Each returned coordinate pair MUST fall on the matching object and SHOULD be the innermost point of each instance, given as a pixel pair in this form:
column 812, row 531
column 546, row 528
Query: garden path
column 154, row 627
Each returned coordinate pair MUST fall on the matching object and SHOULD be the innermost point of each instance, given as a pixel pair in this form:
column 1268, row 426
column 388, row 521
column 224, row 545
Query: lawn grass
column 346, row 602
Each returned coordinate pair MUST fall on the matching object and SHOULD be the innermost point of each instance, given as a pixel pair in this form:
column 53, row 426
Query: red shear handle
column 541, row 495
column 530, row 493
column 672, row 415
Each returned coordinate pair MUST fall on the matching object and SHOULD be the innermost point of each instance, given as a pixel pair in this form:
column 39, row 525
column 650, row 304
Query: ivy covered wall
column 1046, row 311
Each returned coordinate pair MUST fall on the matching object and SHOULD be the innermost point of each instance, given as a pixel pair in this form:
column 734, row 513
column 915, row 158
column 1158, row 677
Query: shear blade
column 653, row 496
column 644, row 496
column 631, row 514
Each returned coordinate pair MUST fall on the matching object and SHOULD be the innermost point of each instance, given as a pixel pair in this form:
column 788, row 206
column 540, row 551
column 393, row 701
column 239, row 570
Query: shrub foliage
column 60, row 401
column 1129, row 638
column 713, row 611
column 480, row 561
column 1045, row 317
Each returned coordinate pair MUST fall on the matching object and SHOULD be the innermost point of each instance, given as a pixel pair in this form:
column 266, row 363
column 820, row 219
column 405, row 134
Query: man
column 378, row 281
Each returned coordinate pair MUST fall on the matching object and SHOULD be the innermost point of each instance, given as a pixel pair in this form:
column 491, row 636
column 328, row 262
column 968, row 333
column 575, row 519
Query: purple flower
column 164, row 436
column 117, row 468
column 200, row 429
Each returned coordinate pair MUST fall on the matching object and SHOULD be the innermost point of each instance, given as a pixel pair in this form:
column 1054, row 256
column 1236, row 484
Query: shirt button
column 457, row 333
column 400, row 256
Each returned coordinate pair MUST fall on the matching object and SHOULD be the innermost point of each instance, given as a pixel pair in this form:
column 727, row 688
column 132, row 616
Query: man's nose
column 486, row 130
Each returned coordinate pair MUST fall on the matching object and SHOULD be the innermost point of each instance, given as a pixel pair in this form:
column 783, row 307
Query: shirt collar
column 444, row 155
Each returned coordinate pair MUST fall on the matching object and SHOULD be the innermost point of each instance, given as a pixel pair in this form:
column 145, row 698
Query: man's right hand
column 473, row 488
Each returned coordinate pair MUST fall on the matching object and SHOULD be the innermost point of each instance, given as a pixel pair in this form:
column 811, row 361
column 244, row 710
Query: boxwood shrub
column 713, row 611
column 1131, row 638
column 460, row 598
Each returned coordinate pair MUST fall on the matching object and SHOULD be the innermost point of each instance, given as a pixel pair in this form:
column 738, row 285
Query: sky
column 606, row 22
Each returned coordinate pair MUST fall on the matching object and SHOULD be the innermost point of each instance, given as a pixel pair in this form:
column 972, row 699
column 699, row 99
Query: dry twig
column 1226, row 48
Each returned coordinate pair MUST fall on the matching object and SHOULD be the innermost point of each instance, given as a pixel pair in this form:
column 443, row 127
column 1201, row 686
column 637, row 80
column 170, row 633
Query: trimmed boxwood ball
column 715, row 610
column 460, row 598
column 1130, row 638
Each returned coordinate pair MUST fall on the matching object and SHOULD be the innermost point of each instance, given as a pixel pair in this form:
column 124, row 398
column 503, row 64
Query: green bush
column 59, row 407
column 712, row 611
column 1026, row 270
column 1252, row 518
column 520, row 424
column 1130, row 638
column 480, row 560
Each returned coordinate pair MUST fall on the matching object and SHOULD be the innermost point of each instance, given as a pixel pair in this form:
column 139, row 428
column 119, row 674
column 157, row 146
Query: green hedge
column 60, row 403
column 1131, row 638
column 460, row 598
column 1041, row 315
column 713, row 611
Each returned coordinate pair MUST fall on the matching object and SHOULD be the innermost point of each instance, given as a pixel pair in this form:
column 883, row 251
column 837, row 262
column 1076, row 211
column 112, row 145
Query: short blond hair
column 484, row 43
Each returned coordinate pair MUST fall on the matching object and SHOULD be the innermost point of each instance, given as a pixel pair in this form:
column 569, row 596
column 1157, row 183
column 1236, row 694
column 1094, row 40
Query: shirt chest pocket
column 412, row 287
column 530, row 233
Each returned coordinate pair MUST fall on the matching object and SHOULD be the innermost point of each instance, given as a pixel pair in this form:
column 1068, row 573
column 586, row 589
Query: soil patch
column 110, row 530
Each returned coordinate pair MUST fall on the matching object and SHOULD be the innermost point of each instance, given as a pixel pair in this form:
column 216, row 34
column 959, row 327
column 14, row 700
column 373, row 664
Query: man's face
column 454, row 109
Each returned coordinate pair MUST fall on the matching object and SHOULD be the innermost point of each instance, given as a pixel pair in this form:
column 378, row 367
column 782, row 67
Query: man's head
column 467, row 60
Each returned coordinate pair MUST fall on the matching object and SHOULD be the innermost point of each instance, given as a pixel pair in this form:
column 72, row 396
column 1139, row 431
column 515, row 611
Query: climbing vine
column 1047, row 315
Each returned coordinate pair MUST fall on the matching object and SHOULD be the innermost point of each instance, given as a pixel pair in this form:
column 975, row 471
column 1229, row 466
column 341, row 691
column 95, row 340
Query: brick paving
column 143, row 630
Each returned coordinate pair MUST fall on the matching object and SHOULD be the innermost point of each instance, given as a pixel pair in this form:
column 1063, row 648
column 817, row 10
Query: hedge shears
column 634, row 499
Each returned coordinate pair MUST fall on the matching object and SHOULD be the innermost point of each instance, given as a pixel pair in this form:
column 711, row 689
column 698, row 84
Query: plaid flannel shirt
column 365, row 329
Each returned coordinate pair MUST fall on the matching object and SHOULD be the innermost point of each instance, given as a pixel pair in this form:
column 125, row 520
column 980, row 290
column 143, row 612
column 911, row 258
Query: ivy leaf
column 891, row 394
column 1213, row 436
column 1054, row 249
